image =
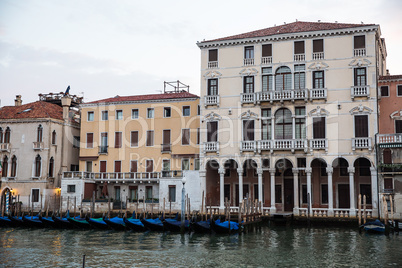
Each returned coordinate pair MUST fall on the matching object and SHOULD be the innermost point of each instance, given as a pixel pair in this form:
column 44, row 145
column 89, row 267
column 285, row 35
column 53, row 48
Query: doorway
column 343, row 196
column 288, row 194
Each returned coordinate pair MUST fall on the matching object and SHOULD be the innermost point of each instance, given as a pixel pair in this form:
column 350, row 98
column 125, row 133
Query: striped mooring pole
column 7, row 201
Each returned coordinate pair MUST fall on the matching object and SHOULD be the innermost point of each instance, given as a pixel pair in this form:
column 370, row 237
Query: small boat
column 48, row 222
column 224, row 227
column 32, row 222
column 79, row 222
column 374, row 227
column 116, row 223
column 97, row 223
column 134, row 224
column 5, row 221
column 62, row 222
column 201, row 226
column 153, row 224
column 174, row 225
column 16, row 221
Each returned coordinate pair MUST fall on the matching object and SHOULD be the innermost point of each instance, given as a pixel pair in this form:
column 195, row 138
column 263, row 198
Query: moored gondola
column 200, row 226
column 5, row 221
column 116, row 223
column 225, row 227
column 62, row 222
column 16, row 221
column 32, row 222
column 97, row 223
column 174, row 225
column 80, row 223
column 48, row 222
column 153, row 224
column 134, row 224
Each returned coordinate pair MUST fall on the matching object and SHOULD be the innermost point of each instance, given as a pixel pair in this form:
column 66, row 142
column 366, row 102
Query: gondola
column 200, row 226
column 48, row 222
column 62, row 222
column 80, row 223
column 5, row 221
column 16, row 221
column 374, row 227
column 97, row 223
column 223, row 227
column 134, row 224
column 32, row 222
column 174, row 225
column 115, row 223
column 153, row 224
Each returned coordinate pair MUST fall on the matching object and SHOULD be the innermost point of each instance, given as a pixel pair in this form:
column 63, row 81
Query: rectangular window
column 324, row 193
column 76, row 142
column 185, row 136
column 186, row 110
column 267, row 79
column 118, row 139
column 117, row 167
column 172, row 193
column 133, row 193
column 212, row 131
column 361, row 126
column 301, row 162
column 278, row 193
column 300, row 76
column 319, row 127
column 198, row 135
column 167, row 112
column 35, row 195
column 384, row 91
column 133, row 166
column 134, row 139
column 304, row 194
column 102, row 166
column 360, row 76
column 185, row 164
column 359, row 41
column 166, row 164
column 134, row 114
column 300, row 123
column 104, row 142
column 150, row 113
column 267, row 50
column 388, row 184
column 212, row 87
column 119, row 114
column 299, row 47
column 90, row 116
column 318, row 79
column 166, row 147
column 105, row 115
column 248, row 84
column 197, row 164
column 266, row 129
column 398, row 126
column 149, row 166
column 90, row 140
column 318, row 45
column 88, row 166
column 213, row 55
column 249, row 52
column 150, row 138
column 266, row 112
column 198, row 109
column 248, row 130
column 148, row 192
column 399, row 90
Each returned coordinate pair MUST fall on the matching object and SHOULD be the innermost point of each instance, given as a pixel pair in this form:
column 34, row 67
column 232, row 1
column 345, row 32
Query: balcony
column 282, row 145
column 299, row 57
column 389, row 140
column 211, row 100
column 318, row 55
column 248, row 98
column 103, row 149
column 166, row 148
column 266, row 60
column 284, row 95
column 248, row 146
column 361, row 143
column 212, row 64
column 359, row 91
column 211, row 147
column 319, row 144
column 318, row 93
column 248, row 61
column 359, row 52
column 38, row 145
column 4, row 147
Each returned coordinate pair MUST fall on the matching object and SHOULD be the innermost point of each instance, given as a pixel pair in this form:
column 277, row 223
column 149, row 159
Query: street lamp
column 183, row 193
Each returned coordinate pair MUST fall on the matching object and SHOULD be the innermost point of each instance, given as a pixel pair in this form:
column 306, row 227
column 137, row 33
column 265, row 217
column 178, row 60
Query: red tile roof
column 294, row 27
column 38, row 109
column 390, row 77
column 149, row 97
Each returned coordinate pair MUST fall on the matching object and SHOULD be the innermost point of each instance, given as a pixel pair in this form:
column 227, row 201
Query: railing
column 318, row 93
column 248, row 97
column 318, row 55
column 38, row 145
column 4, row 147
column 266, row 60
column 359, row 52
column 299, row 57
column 389, row 138
column 291, row 95
column 172, row 173
column 319, row 144
column 319, row 212
column 283, row 145
column 103, row 149
column 166, row 148
column 120, row 176
column 211, row 146
column 58, row 96
column 264, row 145
column 212, row 64
column 361, row 143
column 211, row 100
column 359, row 91
column 248, row 146
column 248, row 61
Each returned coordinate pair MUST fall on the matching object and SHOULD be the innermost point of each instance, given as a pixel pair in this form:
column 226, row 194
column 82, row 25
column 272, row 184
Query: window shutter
column 212, row 128
column 360, row 41
column 102, row 166
column 213, row 55
column 90, row 140
column 134, row 138
column 117, row 141
column 185, row 137
column 267, row 50
column 117, row 166
column 248, row 130
column 299, row 47
column 398, row 126
column 133, row 167
column 150, row 166
column 318, row 45
column 361, row 126
column 166, row 136
column 386, row 154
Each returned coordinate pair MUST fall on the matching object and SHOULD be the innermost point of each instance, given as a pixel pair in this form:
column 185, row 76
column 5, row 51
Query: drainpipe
column 378, row 124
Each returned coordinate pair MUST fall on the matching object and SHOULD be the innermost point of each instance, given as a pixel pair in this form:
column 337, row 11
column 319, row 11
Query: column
column 374, row 191
column 272, row 173
column 293, row 126
column 259, row 172
column 330, row 171
column 221, row 172
column 308, row 173
column 240, row 173
column 351, row 171
column 296, row 191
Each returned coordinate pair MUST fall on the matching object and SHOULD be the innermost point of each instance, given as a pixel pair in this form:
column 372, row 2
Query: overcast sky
column 103, row 48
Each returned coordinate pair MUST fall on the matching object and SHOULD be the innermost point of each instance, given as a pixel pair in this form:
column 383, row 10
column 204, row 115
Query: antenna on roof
column 177, row 85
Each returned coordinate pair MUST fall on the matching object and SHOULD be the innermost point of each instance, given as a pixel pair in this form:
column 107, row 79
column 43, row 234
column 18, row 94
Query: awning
column 391, row 145
column 88, row 158
column 185, row 155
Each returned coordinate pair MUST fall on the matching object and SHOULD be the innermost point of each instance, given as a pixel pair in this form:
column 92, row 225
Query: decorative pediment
column 212, row 74
column 248, row 72
column 249, row 115
column 318, row 66
column 212, row 117
column 361, row 110
column 359, row 62
column 318, row 112
column 396, row 115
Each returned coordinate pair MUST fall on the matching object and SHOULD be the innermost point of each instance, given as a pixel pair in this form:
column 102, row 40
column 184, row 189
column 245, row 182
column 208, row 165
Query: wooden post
column 75, row 204
column 54, row 203
column 93, row 204
column 152, row 207
column 364, row 209
column 202, row 206
column 61, row 206
column 41, row 199
column 125, row 214
column 391, row 203
column 29, row 201
column 108, row 207
column 239, row 215
column 385, row 208
column 143, row 206
column 68, row 203
column 359, row 206
column 163, row 211
column 170, row 208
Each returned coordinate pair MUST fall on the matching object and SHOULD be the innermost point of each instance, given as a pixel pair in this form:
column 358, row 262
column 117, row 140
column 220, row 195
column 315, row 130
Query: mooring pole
column 183, row 195
column 83, row 261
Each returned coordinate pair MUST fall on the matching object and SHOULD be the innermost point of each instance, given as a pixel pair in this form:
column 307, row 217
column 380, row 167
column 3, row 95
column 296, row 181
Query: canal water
column 262, row 247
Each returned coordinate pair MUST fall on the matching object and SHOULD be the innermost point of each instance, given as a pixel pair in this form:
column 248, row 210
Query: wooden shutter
column 398, row 126
column 134, row 166
column 319, row 128
column 102, row 166
column 150, row 138
column 117, row 139
column 166, row 136
column 90, row 140
column 360, row 41
column 212, row 131
column 318, row 45
column 150, row 166
column 388, row 185
column 361, row 126
column 299, row 47
column 117, row 166
column 185, row 137
column 267, row 50
column 134, row 138
column 213, row 55
column 387, row 158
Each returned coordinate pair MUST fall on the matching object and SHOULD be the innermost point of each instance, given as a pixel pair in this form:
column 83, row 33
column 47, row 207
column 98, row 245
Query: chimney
column 387, row 72
column 66, row 103
column 18, row 101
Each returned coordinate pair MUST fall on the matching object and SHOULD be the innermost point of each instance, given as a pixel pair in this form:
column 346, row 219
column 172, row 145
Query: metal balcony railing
column 103, row 149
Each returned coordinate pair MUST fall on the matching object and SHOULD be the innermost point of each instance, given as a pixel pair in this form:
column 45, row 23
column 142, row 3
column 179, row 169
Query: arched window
column 37, row 166
column 7, row 135
column 283, row 124
column 4, row 167
column 283, row 79
column 13, row 167
column 1, row 135
column 54, row 137
column 51, row 167
column 40, row 133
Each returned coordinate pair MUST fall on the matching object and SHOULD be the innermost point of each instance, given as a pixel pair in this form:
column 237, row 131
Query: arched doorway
column 341, row 180
column 231, row 179
column 250, row 178
column 284, row 188
column 212, row 183
column 362, row 179
column 319, row 183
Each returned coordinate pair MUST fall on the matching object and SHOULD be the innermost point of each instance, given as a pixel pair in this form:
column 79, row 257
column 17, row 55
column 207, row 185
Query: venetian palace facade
column 290, row 115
